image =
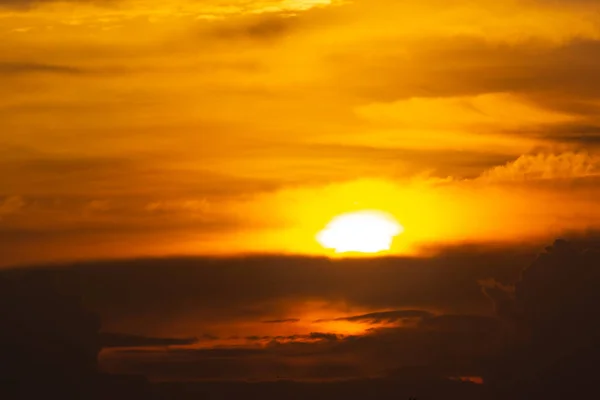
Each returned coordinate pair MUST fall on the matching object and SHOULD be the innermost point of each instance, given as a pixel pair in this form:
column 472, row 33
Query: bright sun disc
column 360, row 232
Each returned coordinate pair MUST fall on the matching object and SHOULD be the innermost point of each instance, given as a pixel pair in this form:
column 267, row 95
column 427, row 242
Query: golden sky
column 202, row 127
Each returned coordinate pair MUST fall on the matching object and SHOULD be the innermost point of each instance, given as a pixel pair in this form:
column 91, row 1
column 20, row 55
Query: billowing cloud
column 567, row 165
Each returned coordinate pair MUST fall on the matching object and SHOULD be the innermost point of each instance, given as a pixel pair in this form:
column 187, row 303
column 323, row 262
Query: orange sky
column 153, row 128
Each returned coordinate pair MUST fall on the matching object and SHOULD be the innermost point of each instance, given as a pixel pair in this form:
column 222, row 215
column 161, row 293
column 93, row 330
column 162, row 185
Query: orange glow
column 435, row 145
column 473, row 379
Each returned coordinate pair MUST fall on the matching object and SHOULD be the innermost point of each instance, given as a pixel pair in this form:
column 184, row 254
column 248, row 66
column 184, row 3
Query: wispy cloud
column 384, row 316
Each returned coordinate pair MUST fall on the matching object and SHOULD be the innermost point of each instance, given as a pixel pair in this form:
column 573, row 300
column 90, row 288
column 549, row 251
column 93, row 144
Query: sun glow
column 360, row 232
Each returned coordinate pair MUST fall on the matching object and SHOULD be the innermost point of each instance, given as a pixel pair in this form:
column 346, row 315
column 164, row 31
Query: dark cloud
column 108, row 340
column 557, row 295
column 146, row 298
column 582, row 135
column 385, row 389
column 255, row 364
column 502, row 297
column 295, row 338
column 220, row 352
column 472, row 324
column 47, row 333
column 378, row 352
column 554, row 302
column 281, row 321
column 554, row 308
column 384, row 316
column 258, row 288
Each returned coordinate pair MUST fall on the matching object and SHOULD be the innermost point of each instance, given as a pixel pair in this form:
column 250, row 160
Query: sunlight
column 360, row 232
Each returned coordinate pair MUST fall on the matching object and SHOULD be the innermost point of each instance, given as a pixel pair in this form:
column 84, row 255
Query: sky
column 136, row 128
column 178, row 160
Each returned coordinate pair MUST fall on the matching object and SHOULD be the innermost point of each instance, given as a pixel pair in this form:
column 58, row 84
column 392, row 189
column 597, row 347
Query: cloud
column 546, row 166
column 553, row 310
column 323, row 336
column 47, row 333
column 469, row 324
column 502, row 296
column 254, row 289
column 15, row 68
column 172, row 295
column 480, row 82
column 490, row 111
column 455, row 94
column 302, row 356
column 264, row 27
column 281, row 321
column 190, row 205
column 111, row 340
column 384, row 316
column 557, row 296
column 554, row 299
column 207, row 9
column 311, row 337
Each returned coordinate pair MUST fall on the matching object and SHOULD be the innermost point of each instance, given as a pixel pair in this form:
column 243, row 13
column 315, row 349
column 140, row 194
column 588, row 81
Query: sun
column 360, row 232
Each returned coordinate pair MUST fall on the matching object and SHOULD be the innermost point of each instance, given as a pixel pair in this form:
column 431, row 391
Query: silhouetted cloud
column 554, row 302
column 250, row 289
column 108, row 339
column 462, row 323
column 557, row 295
column 502, row 297
column 323, row 336
column 384, row 316
column 450, row 344
column 281, row 321
column 296, row 338
column 47, row 332
column 555, row 312
column 470, row 338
